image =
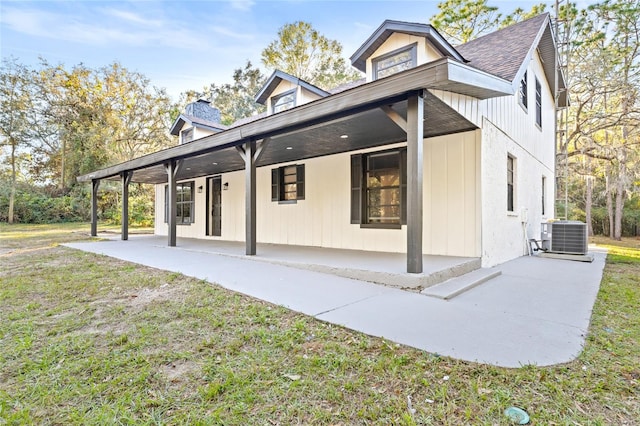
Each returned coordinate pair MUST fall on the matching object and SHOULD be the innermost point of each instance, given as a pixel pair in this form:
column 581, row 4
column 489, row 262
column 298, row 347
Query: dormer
column 283, row 91
column 398, row 46
column 199, row 119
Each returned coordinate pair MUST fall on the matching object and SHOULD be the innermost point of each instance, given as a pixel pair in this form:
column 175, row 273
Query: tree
column 15, row 103
column 463, row 20
column 302, row 51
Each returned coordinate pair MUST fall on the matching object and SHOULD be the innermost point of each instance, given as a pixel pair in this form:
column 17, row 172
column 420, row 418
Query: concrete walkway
column 536, row 312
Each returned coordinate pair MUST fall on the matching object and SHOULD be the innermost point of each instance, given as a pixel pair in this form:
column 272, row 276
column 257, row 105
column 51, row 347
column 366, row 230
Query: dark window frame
column 278, row 97
column 281, row 190
column 360, row 189
column 412, row 49
column 538, row 103
column 511, row 174
column 180, row 203
column 184, row 133
column 523, row 95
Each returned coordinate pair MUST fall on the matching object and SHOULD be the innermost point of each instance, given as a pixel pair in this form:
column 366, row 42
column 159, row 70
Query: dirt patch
column 176, row 370
column 146, row 296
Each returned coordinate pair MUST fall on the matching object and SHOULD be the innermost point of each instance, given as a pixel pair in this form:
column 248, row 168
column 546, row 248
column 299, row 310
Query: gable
column 390, row 28
column 425, row 50
column 278, row 77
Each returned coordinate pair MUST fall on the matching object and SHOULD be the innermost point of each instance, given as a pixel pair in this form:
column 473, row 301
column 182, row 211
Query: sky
column 187, row 45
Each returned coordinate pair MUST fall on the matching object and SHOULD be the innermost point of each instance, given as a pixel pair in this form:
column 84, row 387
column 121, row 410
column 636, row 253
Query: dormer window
column 186, row 135
column 284, row 101
column 394, row 62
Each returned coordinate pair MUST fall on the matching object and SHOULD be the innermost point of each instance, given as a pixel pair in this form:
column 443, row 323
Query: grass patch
column 87, row 339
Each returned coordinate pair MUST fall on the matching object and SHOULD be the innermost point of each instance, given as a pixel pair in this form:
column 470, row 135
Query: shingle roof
column 347, row 86
column 501, row 53
column 249, row 119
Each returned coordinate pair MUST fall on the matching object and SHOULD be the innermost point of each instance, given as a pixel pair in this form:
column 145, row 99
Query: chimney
column 202, row 109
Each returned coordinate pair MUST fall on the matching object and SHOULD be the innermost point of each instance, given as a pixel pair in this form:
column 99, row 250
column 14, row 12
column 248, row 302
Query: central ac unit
column 568, row 237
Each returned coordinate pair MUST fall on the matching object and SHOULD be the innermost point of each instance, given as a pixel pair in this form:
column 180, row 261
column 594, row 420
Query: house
column 440, row 150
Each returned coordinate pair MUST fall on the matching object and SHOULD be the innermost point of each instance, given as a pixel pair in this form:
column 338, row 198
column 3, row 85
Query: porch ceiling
column 366, row 129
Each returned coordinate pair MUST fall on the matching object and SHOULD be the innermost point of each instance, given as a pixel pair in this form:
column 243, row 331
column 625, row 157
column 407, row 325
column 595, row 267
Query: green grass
column 86, row 339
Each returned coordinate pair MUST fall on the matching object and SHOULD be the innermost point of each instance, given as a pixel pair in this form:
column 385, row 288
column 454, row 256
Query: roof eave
column 444, row 74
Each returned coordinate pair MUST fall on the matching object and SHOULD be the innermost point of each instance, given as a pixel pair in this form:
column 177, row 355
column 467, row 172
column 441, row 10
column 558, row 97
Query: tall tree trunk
column 12, row 196
column 62, row 162
column 609, row 205
column 589, row 199
column 620, row 192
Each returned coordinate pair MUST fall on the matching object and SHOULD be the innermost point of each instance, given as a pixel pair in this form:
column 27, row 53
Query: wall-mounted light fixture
column 200, row 189
column 225, row 186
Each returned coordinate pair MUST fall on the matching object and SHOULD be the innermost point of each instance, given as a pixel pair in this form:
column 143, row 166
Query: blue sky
column 185, row 45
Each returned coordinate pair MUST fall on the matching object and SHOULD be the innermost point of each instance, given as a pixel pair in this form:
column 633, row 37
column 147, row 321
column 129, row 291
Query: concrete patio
column 537, row 311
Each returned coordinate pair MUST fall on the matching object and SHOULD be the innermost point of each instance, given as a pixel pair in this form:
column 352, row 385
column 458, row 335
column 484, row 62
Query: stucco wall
column 451, row 204
column 508, row 129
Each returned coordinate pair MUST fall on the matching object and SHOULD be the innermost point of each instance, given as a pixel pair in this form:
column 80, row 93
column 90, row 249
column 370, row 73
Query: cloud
column 230, row 33
column 244, row 5
column 92, row 29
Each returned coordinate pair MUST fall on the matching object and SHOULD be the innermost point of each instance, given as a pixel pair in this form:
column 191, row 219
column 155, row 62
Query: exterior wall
column 509, row 129
column 425, row 51
column 451, row 204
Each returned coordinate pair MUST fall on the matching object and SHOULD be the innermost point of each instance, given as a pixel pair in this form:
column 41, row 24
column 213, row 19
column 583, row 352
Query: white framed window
column 394, row 62
column 283, row 101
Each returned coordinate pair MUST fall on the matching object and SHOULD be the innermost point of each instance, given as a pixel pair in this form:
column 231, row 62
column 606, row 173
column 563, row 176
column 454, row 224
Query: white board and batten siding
column 451, row 204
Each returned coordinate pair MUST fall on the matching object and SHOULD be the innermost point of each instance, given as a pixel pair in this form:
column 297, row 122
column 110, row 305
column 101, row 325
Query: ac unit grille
column 569, row 237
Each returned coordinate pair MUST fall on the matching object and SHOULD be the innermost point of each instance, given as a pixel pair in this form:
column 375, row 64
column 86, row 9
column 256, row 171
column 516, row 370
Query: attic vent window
column 284, row 101
column 394, row 62
column 186, row 135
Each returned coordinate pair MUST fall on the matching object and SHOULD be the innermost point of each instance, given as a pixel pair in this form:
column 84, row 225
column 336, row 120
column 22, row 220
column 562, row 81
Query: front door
column 214, row 206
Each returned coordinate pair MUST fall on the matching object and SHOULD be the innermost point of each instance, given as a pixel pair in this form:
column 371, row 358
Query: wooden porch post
column 172, row 168
column 415, row 154
column 126, row 180
column 250, row 197
column 95, row 184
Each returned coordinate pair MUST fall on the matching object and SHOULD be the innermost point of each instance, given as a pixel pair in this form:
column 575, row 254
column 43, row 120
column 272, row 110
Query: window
column 544, row 192
column 379, row 189
column 538, row 104
column 284, row 101
column 287, row 183
column 510, row 176
column 523, row 92
column 186, row 135
column 394, row 62
column 184, row 203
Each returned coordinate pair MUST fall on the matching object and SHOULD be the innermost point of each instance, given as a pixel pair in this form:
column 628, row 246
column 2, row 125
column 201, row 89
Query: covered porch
column 397, row 109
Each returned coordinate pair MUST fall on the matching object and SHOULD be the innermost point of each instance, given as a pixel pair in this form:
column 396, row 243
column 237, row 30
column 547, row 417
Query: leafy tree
column 234, row 100
column 463, row 20
column 15, row 104
column 302, row 51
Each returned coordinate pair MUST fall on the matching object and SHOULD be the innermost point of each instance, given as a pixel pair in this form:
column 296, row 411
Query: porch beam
column 172, row 168
column 260, row 146
column 395, row 116
column 126, row 180
column 249, row 150
column 415, row 156
column 95, row 184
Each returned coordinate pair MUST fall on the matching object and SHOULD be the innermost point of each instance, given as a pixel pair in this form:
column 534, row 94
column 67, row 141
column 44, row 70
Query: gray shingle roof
column 501, row 53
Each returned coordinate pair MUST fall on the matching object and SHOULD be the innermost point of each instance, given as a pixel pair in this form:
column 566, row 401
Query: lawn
column 86, row 339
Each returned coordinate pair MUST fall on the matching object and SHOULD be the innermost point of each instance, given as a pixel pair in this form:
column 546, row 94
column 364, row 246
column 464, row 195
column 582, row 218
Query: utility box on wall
column 565, row 236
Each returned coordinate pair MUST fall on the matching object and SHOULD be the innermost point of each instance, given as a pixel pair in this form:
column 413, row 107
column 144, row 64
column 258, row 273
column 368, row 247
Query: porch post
column 126, row 180
column 415, row 147
column 250, row 197
column 171, row 201
column 95, row 184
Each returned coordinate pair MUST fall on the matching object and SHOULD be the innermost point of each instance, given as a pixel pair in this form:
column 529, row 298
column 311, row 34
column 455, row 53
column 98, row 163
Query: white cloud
column 244, row 5
column 92, row 29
